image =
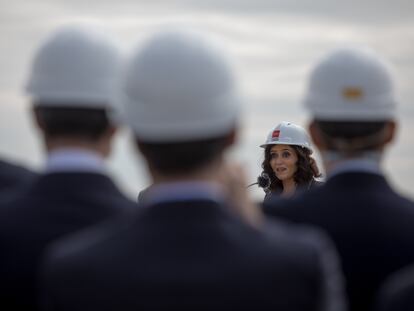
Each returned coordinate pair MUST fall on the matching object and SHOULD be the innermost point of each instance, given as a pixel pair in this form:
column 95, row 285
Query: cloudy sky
column 272, row 43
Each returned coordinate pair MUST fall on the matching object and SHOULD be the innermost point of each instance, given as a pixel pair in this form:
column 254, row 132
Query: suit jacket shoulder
column 397, row 292
column 12, row 175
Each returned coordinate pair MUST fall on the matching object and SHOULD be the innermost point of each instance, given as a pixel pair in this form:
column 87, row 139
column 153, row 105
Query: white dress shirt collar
column 364, row 165
column 74, row 160
column 183, row 191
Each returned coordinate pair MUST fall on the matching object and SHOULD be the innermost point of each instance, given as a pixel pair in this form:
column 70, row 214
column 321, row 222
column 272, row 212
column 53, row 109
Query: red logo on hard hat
column 275, row 134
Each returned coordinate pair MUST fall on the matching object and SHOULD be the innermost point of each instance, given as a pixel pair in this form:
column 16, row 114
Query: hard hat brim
column 285, row 143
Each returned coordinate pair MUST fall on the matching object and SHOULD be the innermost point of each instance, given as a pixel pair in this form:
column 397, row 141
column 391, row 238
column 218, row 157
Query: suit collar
column 359, row 180
column 199, row 210
column 68, row 182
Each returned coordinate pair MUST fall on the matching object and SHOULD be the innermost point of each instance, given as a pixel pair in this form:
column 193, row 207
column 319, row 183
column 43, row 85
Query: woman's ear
column 314, row 167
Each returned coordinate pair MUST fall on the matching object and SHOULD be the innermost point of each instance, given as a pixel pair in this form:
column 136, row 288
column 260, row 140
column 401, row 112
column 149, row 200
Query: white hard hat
column 179, row 88
column 351, row 85
column 287, row 133
column 75, row 67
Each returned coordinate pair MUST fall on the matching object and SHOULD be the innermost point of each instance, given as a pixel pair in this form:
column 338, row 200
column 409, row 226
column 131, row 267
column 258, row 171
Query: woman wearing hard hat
column 287, row 165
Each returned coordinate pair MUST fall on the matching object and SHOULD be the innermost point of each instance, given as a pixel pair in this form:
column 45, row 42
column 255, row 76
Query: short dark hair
column 351, row 131
column 303, row 175
column 182, row 157
column 85, row 123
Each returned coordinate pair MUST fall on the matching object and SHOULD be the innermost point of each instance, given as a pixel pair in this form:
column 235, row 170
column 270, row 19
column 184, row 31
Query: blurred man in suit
column 352, row 103
column 189, row 248
column 71, row 85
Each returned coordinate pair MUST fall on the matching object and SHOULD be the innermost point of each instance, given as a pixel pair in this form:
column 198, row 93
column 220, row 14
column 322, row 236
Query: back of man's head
column 72, row 83
column 180, row 101
column 352, row 101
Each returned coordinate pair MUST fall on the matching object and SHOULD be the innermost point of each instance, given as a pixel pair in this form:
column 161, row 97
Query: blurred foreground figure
column 352, row 103
column 71, row 85
column 189, row 248
column 13, row 176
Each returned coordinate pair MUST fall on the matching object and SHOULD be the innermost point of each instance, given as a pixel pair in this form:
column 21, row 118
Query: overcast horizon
column 273, row 44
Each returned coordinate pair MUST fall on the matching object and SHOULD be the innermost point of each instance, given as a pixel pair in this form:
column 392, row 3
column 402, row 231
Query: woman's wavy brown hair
column 306, row 168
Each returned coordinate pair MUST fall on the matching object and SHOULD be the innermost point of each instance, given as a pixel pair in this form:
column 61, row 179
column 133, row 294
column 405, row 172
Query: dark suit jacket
column 299, row 191
column 371, row 225
column 190, row 255
column 397, row 293
column 12, row 175
column 53, row 206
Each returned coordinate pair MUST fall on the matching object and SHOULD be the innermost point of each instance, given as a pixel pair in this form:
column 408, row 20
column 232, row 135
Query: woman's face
column 283, row 159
